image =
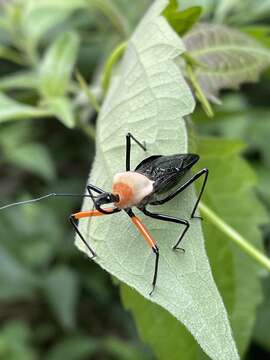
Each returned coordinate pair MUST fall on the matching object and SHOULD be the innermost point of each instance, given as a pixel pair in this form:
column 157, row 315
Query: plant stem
column 235, row 236
column 84, row 86
column 112, row 12
column 199, row 93
column 113, row 58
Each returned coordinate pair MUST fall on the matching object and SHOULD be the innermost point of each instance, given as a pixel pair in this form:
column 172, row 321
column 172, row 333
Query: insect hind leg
column 170, row 219
column 183, row 187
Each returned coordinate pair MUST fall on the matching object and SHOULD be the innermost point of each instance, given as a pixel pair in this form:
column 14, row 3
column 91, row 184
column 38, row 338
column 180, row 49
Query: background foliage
column 41, row 44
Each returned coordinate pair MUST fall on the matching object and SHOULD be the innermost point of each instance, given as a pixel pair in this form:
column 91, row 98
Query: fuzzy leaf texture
column 149, row 98
column 238, row 206
column 228, row 57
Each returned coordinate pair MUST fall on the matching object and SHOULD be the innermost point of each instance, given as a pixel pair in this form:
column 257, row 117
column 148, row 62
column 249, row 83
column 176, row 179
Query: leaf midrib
column 212, row 49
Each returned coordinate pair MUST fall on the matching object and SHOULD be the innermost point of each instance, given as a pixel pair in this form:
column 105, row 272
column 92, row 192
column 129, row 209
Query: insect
column 154, row 181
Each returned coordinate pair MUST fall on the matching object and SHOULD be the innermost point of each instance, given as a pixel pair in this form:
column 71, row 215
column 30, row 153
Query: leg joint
column 155, row 250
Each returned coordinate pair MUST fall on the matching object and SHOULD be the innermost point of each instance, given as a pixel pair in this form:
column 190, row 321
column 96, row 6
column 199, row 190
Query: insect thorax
column 131, row 187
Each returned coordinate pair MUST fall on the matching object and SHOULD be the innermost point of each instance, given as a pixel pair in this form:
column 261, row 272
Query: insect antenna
column 41, row 198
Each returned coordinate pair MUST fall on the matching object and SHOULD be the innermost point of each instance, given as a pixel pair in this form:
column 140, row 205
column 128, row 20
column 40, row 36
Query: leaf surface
column 149, row 98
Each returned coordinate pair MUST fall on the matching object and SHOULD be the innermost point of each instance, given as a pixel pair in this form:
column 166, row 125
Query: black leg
column 128, row 147
column 84, row 214
column 145, row 233
column 183, row 187
column 171, row 219
column 73, row 223
column 156, row 252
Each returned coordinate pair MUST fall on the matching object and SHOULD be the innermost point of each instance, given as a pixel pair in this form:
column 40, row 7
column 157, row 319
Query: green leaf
column 61, row 107
column 61, row 290
column 260, row 32
column 237, row 275
column 19, row 80
column 16, row 281
column 41, row 16
column 181, row 21
column 228, row 57
column 73, row 348
column 149, row 98
column 261, row 330
column 33, row 157
column 13, row 110
column 57, row 65
column 10, row 55
column 20, row 349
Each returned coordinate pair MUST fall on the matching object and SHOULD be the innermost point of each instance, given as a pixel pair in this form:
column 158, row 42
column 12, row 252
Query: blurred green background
column 55, row 303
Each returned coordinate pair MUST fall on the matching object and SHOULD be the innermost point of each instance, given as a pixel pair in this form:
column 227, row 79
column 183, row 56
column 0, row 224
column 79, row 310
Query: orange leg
column 84, row 214
column 147, row 236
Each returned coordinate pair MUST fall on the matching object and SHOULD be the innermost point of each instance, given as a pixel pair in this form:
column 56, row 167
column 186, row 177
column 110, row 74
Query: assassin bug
column 153, row 177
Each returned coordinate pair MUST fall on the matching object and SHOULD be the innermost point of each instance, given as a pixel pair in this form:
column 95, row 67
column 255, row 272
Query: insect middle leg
column 183, row 187
column 170, row 219
column 129, row 136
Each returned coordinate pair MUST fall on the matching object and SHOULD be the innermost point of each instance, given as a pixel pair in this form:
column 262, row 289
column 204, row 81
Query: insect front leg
column 170, row 219
column 84, row 214
column 128, row 148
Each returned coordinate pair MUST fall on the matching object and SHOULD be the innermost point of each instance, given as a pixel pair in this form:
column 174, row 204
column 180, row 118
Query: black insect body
column 165, row 171
column 155, row 181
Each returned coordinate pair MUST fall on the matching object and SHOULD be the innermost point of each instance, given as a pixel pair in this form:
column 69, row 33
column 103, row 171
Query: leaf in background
column 35, row 158
column 149, row 98
column 20, row 349
column 228, row 57
column 123, row 350
column 41, row 16
column 16, row 281
column 61, row 290
column 10, row 55
column 181, row 21
column 19, row 80
column 61, row 107
column 57, row 65
column 230, row 194
column 260, row 32
column 13, row 110
column 261, row 329
column 78, row 347
column 241, row 11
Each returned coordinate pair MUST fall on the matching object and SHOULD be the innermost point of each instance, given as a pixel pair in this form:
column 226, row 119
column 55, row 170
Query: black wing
column 166, row 171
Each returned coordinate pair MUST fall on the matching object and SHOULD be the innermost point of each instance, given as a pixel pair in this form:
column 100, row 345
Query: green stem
column 235, row 236
column 199, row 93
column 91, row 97
column 113, row 58
column 113, row 14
